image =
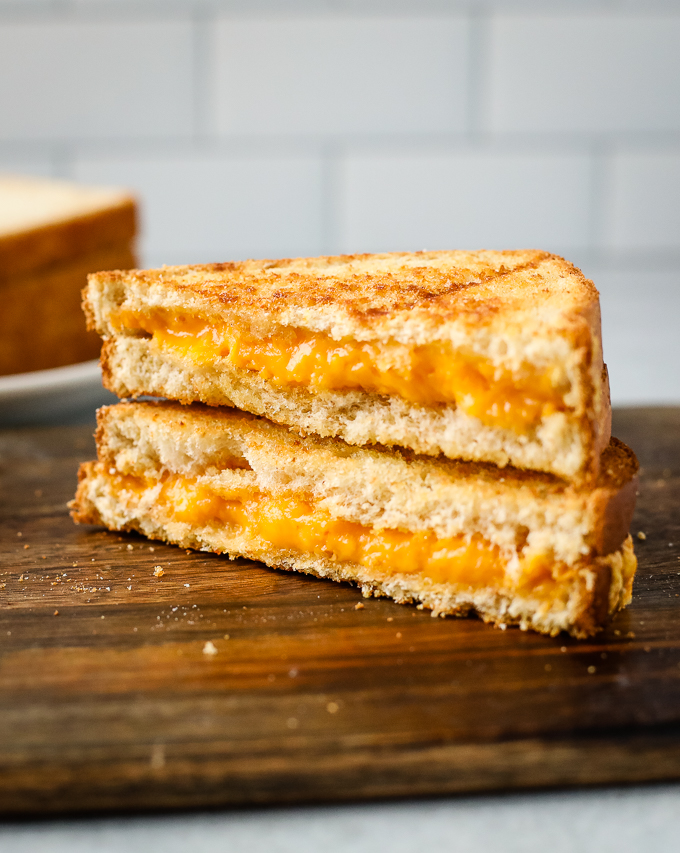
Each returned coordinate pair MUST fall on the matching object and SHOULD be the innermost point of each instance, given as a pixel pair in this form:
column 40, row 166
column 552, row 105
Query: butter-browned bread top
column 405, row 296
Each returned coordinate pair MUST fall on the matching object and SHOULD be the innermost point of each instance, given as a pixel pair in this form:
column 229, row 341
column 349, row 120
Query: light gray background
column 644, row 820
column 286, row 127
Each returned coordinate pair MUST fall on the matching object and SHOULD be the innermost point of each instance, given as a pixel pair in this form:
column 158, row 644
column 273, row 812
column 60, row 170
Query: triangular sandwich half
column 514, row 546
column 485, row 356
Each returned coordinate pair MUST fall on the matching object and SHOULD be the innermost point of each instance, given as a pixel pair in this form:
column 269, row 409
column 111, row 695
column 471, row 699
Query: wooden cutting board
column 110, row 699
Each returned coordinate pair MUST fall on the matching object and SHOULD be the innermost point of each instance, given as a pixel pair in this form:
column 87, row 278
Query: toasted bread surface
column 44, row 222
column 409, row 297
column 42, row 320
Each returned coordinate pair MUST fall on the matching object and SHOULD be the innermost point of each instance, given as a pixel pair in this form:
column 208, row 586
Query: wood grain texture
column 108, row 700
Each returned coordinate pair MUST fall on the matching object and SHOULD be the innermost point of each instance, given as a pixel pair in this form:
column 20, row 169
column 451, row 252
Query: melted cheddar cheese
column 294, row 523
column 427, row 375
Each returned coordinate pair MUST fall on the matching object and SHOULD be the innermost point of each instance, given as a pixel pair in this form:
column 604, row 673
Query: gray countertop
column 620, row 820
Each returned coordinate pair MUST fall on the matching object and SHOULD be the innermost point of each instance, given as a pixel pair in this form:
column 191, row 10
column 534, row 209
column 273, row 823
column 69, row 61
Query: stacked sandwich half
column 433, row 426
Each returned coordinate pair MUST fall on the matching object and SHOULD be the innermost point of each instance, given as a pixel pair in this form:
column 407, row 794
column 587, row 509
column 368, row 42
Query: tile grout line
column 331, row 193
column 477, row 63
column 600, row 196
column 202, row 83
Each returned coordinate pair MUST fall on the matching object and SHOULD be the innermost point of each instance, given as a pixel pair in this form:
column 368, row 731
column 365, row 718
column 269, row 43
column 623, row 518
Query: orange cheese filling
column 295, row 523
column 426, row 375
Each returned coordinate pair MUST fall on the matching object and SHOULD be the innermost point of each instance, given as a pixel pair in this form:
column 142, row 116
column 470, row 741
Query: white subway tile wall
column 199, row 209
column 645, row 202
column 270, row 129
column 468, row 199
column 340, row 76
column 77, row 80
column 584, row 73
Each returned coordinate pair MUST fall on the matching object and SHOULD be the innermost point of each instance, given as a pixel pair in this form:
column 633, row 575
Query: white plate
column 59, row 395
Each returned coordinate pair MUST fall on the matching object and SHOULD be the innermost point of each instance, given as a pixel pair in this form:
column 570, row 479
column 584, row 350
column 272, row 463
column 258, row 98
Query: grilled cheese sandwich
column 513, row 546
column 484, row 356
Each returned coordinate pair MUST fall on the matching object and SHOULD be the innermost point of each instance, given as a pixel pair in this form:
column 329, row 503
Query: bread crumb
column 563, row 648
column 641, row 535
column 358, row 606
column 592, row 670
column 209, row 648
column 129, row 547
column 226, row 636
column 19, row 533
column 56, row 613
column 186, row 584
column 151, row 548
column 390, row 618
column 26, row 546
column 158, row 571
column 399, row 635
column 332, row 707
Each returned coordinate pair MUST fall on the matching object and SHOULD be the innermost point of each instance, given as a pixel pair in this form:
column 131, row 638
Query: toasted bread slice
column 52, row 234
column 43, row 325
column 485, row 356
column 45, row 222
column 513, row 546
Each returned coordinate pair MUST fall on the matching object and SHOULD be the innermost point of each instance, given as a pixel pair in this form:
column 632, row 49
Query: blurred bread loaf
column 52, row 234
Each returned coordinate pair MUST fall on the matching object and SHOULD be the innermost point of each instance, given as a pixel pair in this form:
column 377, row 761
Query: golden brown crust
column 42, row 321
column 57, row 222
column 83, row 511
column 372, row 291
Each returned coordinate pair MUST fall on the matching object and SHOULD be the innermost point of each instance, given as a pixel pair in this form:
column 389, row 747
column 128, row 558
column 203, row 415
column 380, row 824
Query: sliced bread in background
column 52, row 234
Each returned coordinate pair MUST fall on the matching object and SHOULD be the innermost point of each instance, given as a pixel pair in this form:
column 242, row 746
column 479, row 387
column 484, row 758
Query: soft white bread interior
column 515, row 311
column 578, row 537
